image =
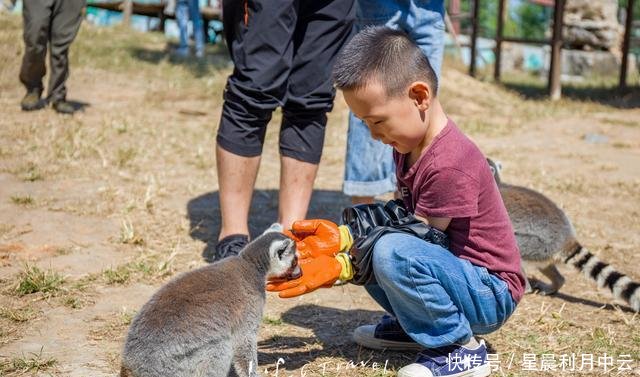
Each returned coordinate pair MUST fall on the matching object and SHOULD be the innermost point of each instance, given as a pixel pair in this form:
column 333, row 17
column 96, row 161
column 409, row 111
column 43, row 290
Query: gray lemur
column 205, row 322
column 545, row 236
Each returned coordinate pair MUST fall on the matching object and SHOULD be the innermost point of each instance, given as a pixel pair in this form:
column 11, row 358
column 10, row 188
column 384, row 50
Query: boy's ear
column 420, row 93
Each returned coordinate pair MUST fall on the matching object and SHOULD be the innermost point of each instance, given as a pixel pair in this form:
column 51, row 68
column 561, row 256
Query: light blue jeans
column 369, row 169
column 438, row 298
column 185, row 10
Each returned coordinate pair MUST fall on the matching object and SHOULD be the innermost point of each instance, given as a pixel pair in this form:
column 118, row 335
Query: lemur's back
column 541, row 227
column 545, row 236
column 198, row 314
column 205, row 322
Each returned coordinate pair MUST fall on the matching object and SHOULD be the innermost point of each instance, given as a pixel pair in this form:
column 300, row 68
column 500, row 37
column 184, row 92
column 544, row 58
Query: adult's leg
column 259, row 38
column 296, row 187
column 182, row 19
column 322, row 29
column 36, row 15
column 425, row 25
column 196, row 21
column 65, row 22
column 438, row 298
column 369, row 167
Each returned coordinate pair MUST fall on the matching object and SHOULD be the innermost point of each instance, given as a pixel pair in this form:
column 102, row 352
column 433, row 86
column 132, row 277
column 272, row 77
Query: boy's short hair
column 386, row 55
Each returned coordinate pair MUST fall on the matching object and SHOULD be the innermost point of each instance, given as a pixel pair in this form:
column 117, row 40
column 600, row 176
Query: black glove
column 369, row 222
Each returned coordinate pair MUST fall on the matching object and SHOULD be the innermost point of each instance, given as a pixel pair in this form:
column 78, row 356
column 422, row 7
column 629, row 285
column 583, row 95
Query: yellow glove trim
column 346, row 240
column 346, row 273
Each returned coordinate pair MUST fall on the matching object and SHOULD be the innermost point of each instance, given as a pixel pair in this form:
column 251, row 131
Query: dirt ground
column 99, row 209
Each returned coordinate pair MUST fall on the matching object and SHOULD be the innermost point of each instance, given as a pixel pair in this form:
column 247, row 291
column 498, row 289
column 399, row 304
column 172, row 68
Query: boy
column 438, row 298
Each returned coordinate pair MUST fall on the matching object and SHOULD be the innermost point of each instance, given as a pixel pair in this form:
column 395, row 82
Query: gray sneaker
column 32, row 100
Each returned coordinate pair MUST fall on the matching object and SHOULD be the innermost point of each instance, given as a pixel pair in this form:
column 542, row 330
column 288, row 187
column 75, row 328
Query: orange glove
column 320, row 271
column 320, row 237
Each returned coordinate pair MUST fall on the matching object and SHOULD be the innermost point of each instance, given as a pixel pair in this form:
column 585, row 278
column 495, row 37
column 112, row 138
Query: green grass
column 272, row 321
column 27, row 364
column 33, row 280
column 22, row 200
column 119, row 275
column 17, row 315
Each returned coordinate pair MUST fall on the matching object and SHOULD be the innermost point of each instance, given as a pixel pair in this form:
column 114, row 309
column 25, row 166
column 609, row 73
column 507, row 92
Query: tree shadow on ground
column 216, row 58
column 610, row 96
column 204, row 212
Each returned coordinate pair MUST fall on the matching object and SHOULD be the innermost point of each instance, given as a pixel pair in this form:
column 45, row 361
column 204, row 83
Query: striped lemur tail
column 605, row 275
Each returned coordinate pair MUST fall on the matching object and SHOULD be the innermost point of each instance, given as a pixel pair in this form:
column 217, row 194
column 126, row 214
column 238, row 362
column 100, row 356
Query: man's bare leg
column 296, row 187
column 236, row 179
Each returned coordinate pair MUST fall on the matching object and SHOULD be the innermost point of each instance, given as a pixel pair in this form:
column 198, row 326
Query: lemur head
column 281, row 259
column 495, row 167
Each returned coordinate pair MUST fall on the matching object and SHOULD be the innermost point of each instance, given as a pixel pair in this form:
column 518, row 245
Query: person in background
column 185, row 10
column 54, row 23
column 369, row 166
column 282, row 57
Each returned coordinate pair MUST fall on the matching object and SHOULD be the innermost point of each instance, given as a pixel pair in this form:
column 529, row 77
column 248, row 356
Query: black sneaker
column 386, row 335
column 226, row 247
column 32, row 101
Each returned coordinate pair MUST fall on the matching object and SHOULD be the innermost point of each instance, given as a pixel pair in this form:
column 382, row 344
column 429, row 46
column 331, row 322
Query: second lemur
column 546, row 236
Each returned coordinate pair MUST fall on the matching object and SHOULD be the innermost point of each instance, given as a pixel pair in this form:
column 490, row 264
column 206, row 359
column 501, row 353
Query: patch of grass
column 124, row 156
column 33, row 280
column 73, row 302
column 114, row 327
column 21, row 200
column 272, row 321
column 6, row 229
column 29, row 172
column 33, row 363
column 620, row 122
column 128, row 234
column 120, row 275
column 621, row 145
column 17, row 314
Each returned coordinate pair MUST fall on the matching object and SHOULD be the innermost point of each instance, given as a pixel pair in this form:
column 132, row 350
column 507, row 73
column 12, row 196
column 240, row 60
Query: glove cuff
column 346, row 273
column 346, row 239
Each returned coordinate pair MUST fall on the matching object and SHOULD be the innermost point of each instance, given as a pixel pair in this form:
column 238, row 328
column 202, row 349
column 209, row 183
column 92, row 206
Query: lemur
column 545, row 236
column 205, row 322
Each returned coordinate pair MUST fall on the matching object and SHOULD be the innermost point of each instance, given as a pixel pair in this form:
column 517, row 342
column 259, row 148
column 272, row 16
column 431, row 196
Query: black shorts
column 283, row 54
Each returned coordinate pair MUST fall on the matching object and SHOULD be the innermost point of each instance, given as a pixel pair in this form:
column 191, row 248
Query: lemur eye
column 281, row 250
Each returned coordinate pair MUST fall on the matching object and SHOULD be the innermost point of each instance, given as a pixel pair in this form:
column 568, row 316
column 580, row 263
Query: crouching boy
column 449, row 267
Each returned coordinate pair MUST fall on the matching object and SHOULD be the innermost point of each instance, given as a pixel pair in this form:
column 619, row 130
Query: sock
column 472, row 343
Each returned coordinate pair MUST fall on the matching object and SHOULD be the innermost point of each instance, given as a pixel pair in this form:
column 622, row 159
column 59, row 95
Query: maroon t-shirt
column 452, row 179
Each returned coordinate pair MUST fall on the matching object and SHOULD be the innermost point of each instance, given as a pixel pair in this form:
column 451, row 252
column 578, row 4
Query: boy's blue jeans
column 438, row 298
column 369, row 169
column 185, row 10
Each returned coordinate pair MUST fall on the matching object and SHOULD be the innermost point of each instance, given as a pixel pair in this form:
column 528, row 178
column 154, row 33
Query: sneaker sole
column 480, row 371
column 382, row 344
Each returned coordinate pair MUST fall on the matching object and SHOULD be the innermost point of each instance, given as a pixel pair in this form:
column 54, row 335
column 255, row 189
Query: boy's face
column 398, row 121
